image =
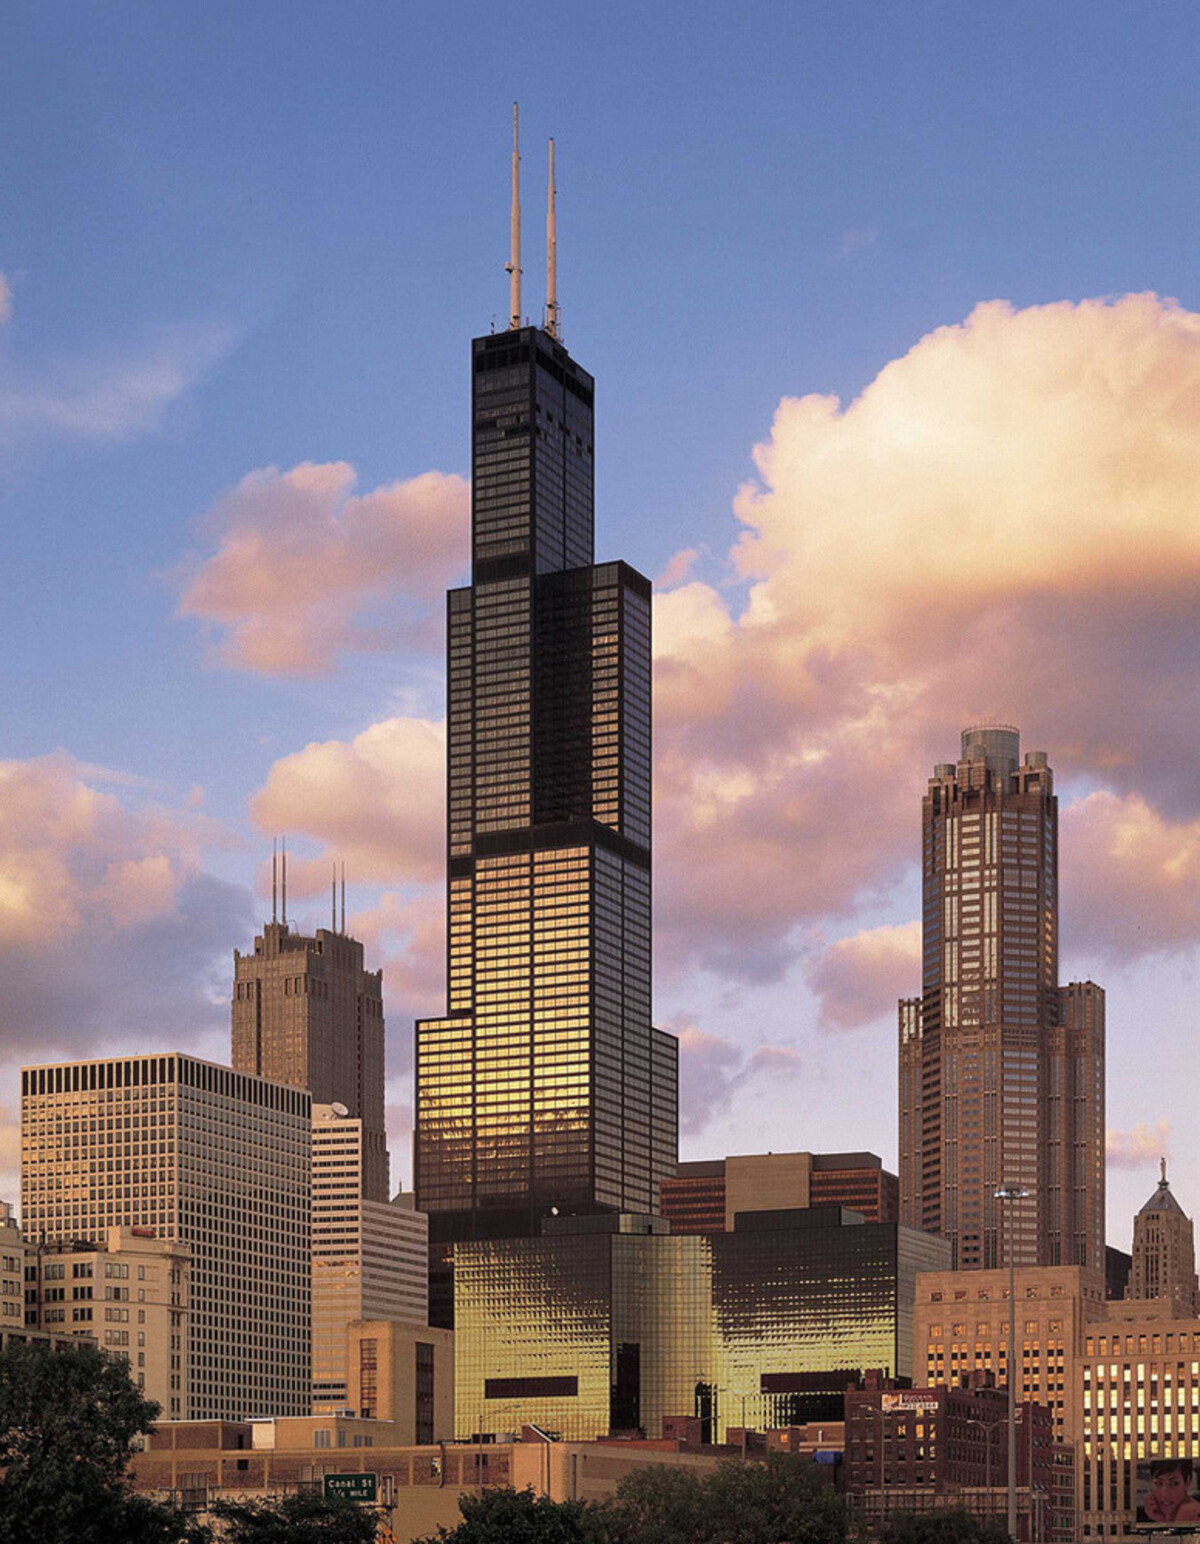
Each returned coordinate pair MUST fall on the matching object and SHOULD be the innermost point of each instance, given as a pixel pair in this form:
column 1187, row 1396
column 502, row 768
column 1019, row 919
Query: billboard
column 911, row 1401
column 1167, row 1494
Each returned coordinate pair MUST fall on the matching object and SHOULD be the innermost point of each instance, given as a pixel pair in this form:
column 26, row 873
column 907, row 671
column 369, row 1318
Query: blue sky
column 237, row 237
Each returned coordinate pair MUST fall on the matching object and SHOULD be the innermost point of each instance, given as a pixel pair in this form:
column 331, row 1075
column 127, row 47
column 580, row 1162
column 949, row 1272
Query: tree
column 944, row 1525
column 659, row 1504
column 778, row 1499
column 296, row 1519
column 503, row 1516
column 68, row 1419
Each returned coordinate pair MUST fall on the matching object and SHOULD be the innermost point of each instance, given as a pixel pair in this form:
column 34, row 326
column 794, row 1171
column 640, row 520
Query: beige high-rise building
column 307, row 1012
column 12, row 1271
column 129, row 1296
column 403, row 1373
column 1139, row 1380
column 199, row 1155
column 1001, row 1069
column 1164, row 1252
column 370, row 1258
column 961, row 1322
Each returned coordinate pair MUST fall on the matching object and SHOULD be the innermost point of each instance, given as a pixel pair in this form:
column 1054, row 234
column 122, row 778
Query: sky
column 895, row 322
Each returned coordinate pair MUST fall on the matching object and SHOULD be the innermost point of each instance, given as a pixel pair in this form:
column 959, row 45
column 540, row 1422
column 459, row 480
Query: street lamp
column 989, row 1429
column 1012, row 1194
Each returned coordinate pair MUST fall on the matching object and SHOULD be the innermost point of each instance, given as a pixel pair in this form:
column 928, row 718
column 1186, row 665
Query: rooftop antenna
column 333, row 901
column 552, row 321
column 283, row 876
column 343, row 898
column 274, row 879
column 513, row 266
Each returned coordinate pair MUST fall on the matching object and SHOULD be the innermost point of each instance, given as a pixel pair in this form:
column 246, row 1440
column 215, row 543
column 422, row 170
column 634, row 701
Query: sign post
column 352, row 1487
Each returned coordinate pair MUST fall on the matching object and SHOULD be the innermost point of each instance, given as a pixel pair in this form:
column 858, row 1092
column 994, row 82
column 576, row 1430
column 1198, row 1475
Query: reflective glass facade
column 545, row 1083
column 611, row 1324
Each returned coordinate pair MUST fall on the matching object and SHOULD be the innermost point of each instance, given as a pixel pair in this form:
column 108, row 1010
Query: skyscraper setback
column 1001, row 1069
column 545, row 1084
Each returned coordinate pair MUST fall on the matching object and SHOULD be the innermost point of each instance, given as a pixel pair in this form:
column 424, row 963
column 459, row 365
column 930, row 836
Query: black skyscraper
column 545, row 1085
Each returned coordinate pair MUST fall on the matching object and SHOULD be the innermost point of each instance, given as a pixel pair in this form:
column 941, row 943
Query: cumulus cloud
column 1003, row 521
column 714, row 1071
column 406, row 935
column 302, row 558
column 376, row 802
column 1132, row 883
column 111, row 933
column 860, row 979
column 1134, row 1149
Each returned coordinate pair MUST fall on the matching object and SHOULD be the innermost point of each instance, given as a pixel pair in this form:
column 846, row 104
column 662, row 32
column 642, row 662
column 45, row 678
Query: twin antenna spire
column 513, row 266
column 279, row 888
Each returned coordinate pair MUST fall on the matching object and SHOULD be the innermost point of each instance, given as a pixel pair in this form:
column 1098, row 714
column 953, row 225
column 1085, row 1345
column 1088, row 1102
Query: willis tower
column 545, row 1087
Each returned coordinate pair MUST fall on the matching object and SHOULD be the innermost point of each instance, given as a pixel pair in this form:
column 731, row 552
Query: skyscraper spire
column 513, row 266
column 552, row 322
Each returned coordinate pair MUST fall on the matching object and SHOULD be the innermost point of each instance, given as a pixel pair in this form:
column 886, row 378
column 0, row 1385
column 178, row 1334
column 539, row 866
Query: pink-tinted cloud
column 1004, row 521
column 112, row 935
column 73, row 856
column 406, row 935
column 1131, row 885
column 303, row 564
column 860, row 979
column 714, row 1071
column 1139, row 1147
column 376, row 803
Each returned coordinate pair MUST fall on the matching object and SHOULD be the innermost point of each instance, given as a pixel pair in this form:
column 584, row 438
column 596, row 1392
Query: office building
column 12, row 1271
column 1140, row 1402
column 307, row 1012
column 917, row 1449
column 545, row 1084
column 198, row 1155
column 1001, row 1069
column 402, row 1373
column 129, row 1295
column 370, row 1258
column 705, row 1196
column 614, row 1323
column 1164, row 1252
column 961, row 1324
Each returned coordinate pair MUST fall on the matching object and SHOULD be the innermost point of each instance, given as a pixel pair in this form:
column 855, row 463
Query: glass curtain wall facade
column 613, row 1323
column 545, row 1084
column 1001, row 1070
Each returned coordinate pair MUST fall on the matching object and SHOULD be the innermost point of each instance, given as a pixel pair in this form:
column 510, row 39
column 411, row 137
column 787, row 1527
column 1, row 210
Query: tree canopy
column 68, row 1420
column 779, row 1499
column 503, row 1516
column 945, row 1525
column 296, row 1519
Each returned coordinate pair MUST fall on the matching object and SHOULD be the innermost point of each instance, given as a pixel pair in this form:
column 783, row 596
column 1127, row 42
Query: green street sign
column 351, row 1487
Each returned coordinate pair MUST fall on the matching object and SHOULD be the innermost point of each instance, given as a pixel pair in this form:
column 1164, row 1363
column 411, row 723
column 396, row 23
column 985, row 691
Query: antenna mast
column 274, row 879
column 513, row 266
column 552, row 321
column 343, row 898
column 283, row 871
